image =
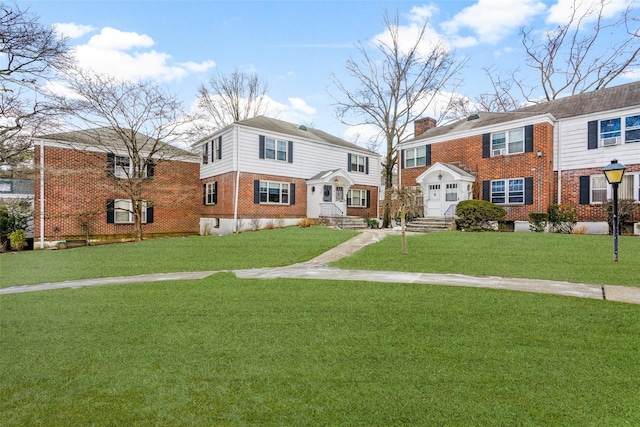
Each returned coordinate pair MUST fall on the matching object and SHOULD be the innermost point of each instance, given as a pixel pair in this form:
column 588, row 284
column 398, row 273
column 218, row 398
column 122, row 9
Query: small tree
column 403, row 202
column 563, row 217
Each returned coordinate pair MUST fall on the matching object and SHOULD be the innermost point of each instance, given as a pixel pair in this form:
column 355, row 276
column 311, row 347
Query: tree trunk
column 404, row 236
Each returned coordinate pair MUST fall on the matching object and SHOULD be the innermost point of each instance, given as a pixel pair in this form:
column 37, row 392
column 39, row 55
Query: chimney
column 422, row 125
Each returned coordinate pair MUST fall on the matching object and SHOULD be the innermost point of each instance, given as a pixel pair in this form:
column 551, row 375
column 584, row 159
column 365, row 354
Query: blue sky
column 294, row 45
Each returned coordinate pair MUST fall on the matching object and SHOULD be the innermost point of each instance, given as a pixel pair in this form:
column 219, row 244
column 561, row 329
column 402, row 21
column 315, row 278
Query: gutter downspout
column 41, row 194
column 557, row 141
column 237, row 189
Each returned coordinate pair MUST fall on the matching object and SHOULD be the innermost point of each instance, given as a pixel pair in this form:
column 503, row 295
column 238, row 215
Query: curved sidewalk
column 318, row 268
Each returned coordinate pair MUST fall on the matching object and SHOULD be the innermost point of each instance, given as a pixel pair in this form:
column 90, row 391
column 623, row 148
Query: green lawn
column 225, row 351
column 266, row 248
column 573, row 258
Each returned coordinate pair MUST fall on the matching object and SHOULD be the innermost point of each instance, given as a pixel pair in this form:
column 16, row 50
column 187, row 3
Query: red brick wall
column 248, row 209
column 371, row 211
column 226, row 193
column 571, row 193
column 77, row 189
column 468, row 151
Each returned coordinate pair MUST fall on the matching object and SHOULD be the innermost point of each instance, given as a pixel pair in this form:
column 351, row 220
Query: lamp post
column 614, row 173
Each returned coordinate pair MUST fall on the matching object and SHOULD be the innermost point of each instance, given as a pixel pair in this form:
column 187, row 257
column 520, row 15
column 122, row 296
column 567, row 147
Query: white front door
column 434, row 201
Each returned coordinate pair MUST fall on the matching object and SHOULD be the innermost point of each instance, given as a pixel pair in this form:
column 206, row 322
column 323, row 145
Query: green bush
column 18, row 240
column 372, row 223
column 563, row 217
column 538, row 221
column 477, row 215
column 626, row 213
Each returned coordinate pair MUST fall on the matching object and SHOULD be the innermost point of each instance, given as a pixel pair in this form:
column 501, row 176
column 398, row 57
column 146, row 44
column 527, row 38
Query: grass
column 225, row 351
column 267, row 248
column 573, row 258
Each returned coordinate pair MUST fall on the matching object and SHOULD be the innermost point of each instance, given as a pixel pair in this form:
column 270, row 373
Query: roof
column 607, row 99
column 300, row 131
column 107, row 137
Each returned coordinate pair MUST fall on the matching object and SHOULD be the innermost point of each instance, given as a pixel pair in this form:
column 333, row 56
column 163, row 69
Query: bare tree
column 230, row 98
column 31, row 53
column 403, row 201
column 138, row 118
column 569, row 59
column 396, row 85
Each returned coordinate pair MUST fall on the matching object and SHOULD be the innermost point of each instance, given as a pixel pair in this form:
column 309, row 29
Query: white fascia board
column 543, row 118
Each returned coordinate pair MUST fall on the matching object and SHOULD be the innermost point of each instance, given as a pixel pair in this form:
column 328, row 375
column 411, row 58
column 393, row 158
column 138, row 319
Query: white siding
column 224, row 165
column 572, row 138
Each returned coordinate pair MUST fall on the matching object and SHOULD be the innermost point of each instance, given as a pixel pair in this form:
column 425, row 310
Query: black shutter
column 111, row 215
column 290, row 152
column 428, row 154
column 528, row 191
column 349, row 162
column 592, row 135
column 585, row 182
column 366, row 165
column 486, row 145
column 219, row 148
column 213, row 150
column 486, row 190
column 292, row 193
column 111, row 165
column 204, row 194
column 368, row 198
column 528, row 139
column 256, row 191
column 150, row 215
column 151, row 168
column 401, row 159
column 261, row 147
column 215, row 192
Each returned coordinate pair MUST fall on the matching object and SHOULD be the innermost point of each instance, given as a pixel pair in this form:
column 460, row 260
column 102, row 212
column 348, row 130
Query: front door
column 434, row 201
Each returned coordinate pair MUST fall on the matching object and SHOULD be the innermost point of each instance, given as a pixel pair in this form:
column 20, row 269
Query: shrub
column 372, row 223
column 626, row 212
column 563, row 217
column 18, row 240
column 538, row 221
column 581, row 229
column 477, row 215
column 304, row 222
column 270, row 225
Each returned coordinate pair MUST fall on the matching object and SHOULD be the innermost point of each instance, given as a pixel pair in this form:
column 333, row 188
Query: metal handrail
column 450, row 213
column 332, row 211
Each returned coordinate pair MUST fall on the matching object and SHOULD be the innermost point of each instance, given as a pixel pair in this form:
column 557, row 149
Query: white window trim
column 211, row 186
column 609, row 188
column 362, row 196
column 127, row 210
column 507, row 143
column 275, row 150
column 412, row 154
column 619, row 140
column 355, row 160
column 282, row 185
column 507, row 193
column 120, row 172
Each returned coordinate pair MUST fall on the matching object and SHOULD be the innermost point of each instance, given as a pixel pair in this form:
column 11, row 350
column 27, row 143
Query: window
column 615, row 131
column 211, row 193
column 507, row 191
column 122, row 167
column 358, row 198
column 216, row 149
column 626, row 187
column 451, row 194
column 415, row 157
column 274, row 192
column 632, row 129
column 507, row 142
column 610, row 132
column 123, row 211
column 598, row 189
column 357, row 163
column 275, row 149
column 205, row 153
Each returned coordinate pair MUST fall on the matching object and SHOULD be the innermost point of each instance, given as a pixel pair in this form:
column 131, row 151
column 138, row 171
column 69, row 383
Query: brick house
column 79, row 194
column 528, row 159
column 263, row 170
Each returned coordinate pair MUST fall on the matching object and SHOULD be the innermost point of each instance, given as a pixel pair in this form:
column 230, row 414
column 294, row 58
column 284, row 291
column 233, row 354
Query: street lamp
column 614, row 173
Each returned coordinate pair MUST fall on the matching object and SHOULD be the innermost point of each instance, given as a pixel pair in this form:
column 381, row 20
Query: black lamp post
column 614, row 173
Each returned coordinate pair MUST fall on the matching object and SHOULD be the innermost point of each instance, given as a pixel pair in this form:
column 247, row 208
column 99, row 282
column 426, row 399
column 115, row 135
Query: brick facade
column 77, row 188
column 468, row 152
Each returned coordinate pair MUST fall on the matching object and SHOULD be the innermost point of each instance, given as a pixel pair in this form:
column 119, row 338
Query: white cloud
column 492, row 20
column 296, row 111
column 72, row 30
column 632, row 74
column 300, row 105
column 127, row 55
column 561, row 12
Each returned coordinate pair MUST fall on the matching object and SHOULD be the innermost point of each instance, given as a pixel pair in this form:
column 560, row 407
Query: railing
column 450, row 214
column 330, row 210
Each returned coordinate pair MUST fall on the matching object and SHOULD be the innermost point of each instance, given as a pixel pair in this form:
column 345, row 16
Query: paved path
column 318, row 268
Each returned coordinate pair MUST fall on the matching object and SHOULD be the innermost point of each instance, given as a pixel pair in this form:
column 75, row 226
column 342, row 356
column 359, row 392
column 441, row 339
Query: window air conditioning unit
column 499, row 152
column 606, row 142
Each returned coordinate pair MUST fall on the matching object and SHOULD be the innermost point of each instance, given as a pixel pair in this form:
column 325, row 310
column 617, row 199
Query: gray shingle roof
column 606, row 99
column 280, row 126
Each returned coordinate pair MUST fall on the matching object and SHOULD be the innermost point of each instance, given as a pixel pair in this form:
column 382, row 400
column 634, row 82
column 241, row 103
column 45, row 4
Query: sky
column 294, row 45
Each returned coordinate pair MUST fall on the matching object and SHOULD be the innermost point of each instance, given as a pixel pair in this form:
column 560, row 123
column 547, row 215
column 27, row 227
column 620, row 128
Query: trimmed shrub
column 538, row 221
column 477, row 215
column 563, row 217
column 372, row 223
column 18, row 240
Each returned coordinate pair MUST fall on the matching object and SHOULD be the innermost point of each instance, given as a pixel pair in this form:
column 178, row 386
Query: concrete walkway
column 318, row 268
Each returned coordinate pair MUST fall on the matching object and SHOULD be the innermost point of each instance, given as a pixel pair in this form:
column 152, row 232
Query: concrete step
column 347, row 222
column 427, row 225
